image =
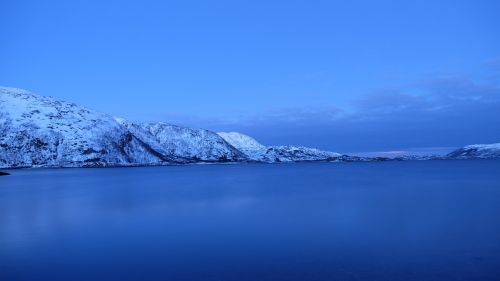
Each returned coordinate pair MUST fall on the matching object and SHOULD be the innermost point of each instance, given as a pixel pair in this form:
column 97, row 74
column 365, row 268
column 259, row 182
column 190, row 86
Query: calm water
column 434, row 220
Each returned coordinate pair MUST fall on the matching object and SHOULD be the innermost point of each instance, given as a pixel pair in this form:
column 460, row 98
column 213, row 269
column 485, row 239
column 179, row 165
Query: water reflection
column 433, row 220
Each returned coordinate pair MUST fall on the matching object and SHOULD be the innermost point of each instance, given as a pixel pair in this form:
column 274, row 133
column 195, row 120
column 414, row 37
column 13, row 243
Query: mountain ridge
column 41, row 131
column 476, row 151
column 284, row 153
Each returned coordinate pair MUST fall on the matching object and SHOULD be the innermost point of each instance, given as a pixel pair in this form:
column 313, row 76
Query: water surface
column 429, row 220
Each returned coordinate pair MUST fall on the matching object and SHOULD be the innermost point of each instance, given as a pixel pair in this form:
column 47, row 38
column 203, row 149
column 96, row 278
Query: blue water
column 430, row 220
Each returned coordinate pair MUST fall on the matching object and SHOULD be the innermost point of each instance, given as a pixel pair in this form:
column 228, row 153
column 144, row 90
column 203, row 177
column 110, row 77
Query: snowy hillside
column 258, row 152
column 185, row 143
column 241, row 141
column 38, row 131
column 248, row 145
column 41, row 131
column 476, row 151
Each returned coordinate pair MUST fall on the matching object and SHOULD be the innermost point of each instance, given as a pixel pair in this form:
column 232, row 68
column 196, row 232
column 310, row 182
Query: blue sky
column 342, row 75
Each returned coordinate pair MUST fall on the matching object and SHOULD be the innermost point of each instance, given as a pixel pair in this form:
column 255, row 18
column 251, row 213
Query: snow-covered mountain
column 476, row 151
column 38, row 131
column 186, row 143
column 42, row 131
column 258, row 152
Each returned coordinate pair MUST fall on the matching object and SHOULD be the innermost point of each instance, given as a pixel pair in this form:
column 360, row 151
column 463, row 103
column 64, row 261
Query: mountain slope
column 42, row 131
column 38, row 131
column 185, row 143
column 258, row 152
column 246, row 144
column 476, row 151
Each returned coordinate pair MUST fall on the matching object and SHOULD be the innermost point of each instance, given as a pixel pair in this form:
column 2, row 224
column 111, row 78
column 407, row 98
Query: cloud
column 493, row 64
column 283, row 115
column 428, row 98
column 441, row 111
column 302, row 114
column 424, row 100
column 459, row 88
column 387, row 103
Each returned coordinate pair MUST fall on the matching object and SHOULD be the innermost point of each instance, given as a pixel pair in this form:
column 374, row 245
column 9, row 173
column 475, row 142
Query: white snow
column 241, row 141
column 42, row 131
column 492, row 146
column 258, row 152
column 477, row 151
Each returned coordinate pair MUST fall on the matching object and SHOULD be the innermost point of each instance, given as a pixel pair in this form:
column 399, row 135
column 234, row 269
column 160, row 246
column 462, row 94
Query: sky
column 348, row 76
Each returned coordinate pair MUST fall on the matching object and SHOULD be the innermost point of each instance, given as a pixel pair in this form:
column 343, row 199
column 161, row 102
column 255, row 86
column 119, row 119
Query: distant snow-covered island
column 39, row 131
